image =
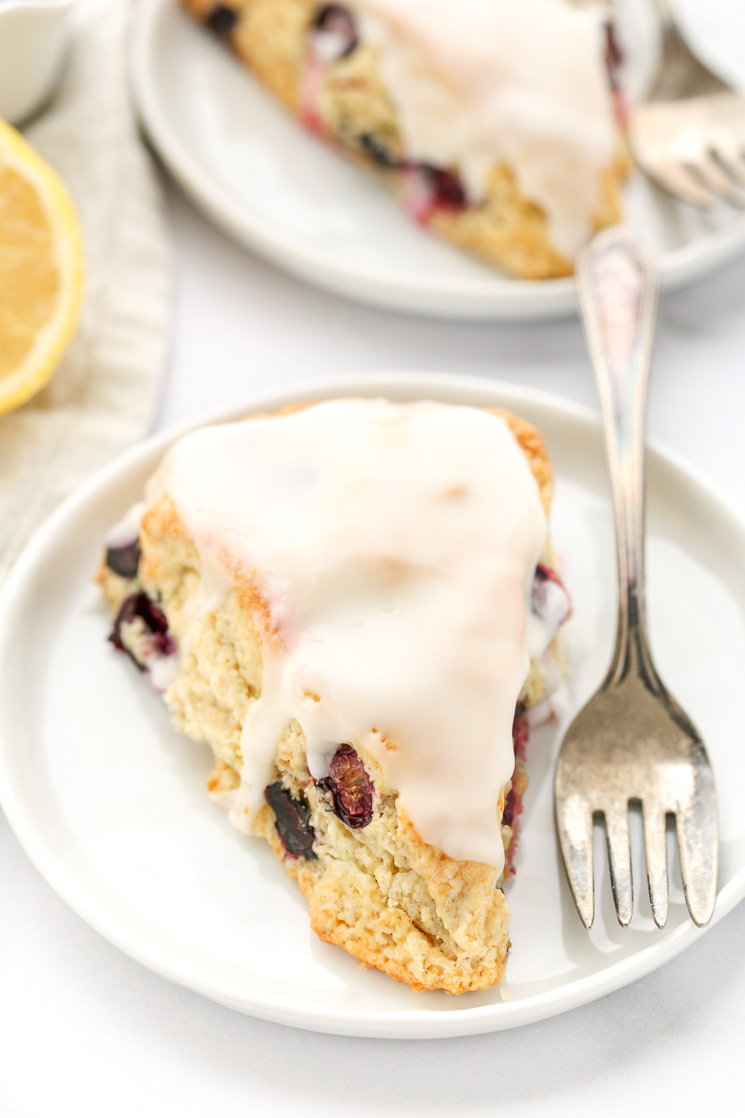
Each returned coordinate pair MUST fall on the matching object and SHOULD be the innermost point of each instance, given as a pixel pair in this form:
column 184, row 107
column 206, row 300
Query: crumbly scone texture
column 388, row 898
column 506, row 229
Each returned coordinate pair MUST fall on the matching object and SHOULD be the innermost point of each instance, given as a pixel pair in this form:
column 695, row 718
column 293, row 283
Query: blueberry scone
column 355, row 605
column 497, row 121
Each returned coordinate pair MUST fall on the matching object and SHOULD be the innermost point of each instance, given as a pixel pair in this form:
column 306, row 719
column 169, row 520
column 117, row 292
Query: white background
column 84, row 1030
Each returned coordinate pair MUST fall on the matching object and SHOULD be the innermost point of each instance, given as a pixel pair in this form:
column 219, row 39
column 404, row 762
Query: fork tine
column 574, row 824
column 619, row 859
column 697, row 830
column 679, row 181
column 715, row 176
column 655, row 849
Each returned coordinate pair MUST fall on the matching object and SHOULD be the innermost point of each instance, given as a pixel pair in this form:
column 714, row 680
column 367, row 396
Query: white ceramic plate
column 305, row 207
column 110, row 804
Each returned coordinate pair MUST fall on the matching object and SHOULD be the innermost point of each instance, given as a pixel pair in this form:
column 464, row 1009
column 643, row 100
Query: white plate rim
column 415, row 1024
column 494, row 298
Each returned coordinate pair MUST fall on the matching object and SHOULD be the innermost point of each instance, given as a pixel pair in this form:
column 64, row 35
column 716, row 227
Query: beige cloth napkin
column 104, row 393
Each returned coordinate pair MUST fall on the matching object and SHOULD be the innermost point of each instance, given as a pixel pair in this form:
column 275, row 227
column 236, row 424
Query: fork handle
column 617, row 283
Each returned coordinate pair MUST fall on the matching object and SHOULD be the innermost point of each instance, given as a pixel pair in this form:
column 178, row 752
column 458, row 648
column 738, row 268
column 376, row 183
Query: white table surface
column 84, row 1030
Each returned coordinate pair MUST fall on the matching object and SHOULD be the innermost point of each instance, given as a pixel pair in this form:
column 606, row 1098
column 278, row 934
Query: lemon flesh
column 41, row 270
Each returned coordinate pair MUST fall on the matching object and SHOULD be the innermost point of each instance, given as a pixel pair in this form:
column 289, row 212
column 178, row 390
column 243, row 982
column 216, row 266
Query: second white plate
column 303, row 206
column 110, row 804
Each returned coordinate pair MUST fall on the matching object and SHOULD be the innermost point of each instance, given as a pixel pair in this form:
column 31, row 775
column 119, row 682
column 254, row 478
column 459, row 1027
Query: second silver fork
column 689, row 134
column 632, row 743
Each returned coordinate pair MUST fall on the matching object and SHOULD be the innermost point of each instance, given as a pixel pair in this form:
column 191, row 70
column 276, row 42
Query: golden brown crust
column 534, row 449
column 506, row 228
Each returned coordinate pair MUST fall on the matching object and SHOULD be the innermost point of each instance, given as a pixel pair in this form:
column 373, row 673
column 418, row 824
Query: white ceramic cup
column 34, row 38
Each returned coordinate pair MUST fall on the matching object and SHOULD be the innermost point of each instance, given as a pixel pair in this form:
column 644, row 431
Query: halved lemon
column 41, row 270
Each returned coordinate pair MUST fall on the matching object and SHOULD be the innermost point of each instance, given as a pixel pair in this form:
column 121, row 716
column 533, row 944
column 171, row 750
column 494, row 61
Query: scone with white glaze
column 497, row 121
column 354, row 604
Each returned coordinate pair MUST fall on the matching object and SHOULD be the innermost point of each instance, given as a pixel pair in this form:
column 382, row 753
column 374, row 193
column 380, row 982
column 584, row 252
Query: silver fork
column 689, row 135
column 632, row 742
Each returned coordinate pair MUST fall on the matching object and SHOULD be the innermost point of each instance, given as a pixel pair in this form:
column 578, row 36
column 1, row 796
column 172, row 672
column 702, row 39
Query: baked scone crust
column 506, row 229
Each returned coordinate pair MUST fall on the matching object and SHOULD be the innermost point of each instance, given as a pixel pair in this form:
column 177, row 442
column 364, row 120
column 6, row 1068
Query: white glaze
column 483, row 82
column 162, row 670
column 551, row 606
column 394, row 546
